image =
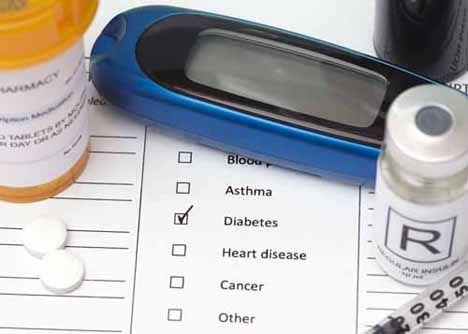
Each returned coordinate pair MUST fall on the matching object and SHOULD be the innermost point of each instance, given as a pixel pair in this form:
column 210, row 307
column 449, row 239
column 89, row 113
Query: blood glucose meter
column 251, row 89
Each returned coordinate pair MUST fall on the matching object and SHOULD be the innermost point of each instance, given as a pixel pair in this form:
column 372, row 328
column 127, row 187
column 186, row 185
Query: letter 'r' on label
column 419, row 241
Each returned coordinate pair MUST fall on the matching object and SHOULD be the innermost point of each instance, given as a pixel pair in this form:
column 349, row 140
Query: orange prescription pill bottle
column 43, row 104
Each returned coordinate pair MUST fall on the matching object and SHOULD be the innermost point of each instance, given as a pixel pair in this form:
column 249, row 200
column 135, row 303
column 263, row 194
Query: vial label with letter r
column 418, row 244
column 419, row 241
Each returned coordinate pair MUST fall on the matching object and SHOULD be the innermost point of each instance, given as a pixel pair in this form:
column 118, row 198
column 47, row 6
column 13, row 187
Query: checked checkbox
column 182, row 218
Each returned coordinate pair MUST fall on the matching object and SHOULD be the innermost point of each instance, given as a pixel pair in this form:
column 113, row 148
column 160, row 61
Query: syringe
column 412, row 316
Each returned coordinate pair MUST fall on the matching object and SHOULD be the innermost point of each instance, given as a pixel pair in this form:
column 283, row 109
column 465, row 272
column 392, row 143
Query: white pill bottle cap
column 427, row 131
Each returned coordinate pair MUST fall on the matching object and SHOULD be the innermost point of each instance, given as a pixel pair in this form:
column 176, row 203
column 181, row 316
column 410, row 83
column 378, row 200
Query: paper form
column 179, row 238
column 218, row 253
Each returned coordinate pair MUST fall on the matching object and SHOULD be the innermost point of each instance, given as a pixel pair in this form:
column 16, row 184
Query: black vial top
column 429, row 37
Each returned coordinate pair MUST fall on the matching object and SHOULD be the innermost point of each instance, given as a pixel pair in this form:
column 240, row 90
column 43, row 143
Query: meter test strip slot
column 241, row 105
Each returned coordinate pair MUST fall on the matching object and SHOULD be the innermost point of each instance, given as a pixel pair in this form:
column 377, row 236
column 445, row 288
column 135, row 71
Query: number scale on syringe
column 425, row 307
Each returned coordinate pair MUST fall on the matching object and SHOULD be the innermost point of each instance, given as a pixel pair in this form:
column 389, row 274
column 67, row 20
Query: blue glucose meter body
column 250, row 89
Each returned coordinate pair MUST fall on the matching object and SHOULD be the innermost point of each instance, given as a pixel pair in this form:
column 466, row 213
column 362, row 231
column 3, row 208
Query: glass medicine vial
column 43, row 103
column 421, row 216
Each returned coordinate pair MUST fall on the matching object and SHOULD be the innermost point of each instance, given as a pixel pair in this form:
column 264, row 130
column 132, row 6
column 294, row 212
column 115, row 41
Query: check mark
column 181, row 218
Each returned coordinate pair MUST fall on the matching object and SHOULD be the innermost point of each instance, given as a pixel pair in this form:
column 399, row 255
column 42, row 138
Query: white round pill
column 61, row 272
column 43, row 235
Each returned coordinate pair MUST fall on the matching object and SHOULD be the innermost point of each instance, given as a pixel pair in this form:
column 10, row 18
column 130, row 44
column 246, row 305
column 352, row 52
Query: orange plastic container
column 43, row 103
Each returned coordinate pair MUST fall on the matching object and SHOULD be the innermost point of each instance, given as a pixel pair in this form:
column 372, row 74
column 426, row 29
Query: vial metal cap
column 427, row 131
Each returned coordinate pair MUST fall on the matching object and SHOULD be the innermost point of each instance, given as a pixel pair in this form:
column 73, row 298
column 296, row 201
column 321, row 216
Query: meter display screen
column 274, row 75
column 287, row 77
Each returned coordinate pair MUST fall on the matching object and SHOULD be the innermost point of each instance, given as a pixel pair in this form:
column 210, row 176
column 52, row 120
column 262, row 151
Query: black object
column 429, row 37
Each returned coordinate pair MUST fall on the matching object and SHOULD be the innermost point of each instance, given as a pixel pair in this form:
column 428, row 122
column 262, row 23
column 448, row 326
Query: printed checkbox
column 183, row 188
column 174, row 314
column 185, row 157
column 181, row 218
column 179, row 250
column 177, row 282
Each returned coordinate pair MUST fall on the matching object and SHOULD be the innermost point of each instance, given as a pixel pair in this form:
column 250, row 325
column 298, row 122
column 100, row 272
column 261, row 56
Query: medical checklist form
column 181, row 238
